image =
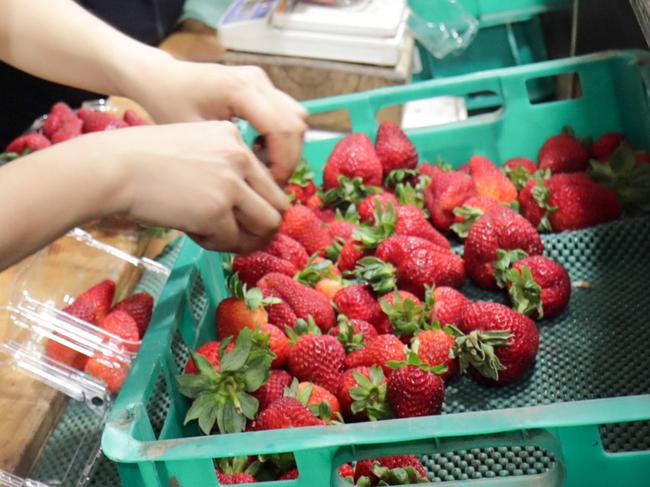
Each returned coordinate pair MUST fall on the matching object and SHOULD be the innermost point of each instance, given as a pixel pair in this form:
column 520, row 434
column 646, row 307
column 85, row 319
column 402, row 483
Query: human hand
column 186, row 91
column 197, row 177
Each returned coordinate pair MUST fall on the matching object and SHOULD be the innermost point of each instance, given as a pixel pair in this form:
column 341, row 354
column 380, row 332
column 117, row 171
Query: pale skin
column 197, row 176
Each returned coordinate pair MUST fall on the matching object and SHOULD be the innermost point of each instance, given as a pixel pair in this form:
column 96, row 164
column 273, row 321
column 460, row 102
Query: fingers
column 261, row 181
column 255, row 215
column 284, row 150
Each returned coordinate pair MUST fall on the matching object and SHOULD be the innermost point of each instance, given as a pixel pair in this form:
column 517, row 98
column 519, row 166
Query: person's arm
column 196, row 177
column 62, row 42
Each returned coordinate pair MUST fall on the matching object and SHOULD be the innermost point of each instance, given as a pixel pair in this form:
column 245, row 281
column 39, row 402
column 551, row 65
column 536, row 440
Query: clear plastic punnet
column 36, row 332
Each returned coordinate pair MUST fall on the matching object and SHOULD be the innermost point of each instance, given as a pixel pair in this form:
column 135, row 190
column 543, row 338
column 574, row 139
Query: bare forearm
column 46, row 193
column 61, row 42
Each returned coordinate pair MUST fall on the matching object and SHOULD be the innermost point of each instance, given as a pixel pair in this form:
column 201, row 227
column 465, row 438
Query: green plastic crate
column 509, row 34
column 591, row 369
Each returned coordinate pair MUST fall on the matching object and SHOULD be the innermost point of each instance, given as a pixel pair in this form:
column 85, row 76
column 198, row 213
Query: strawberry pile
column 63, row 123
column 127, row 320
column 355, row 312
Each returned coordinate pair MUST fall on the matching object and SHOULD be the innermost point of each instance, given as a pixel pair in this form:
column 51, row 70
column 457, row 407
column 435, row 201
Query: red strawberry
column 394, row 149
column 398, row 247
column 133, row 119
column 362, row 393
column 404, row 313
column 430, row 170
column 273, row 388
column 313, row 396
column 364, row 468
column 278, row 344
column 70, row 129
column 512, row 352
column 318, row 359
column 411, row 221
column 490, row 181
column 314, row 202
column 113, row 372
column 121, row 324
column 435, row 347
column 346, row 471
column 539, row 287
column 65, row 355
column 447, row 191
column 353, row 156
column 519, row 170
column 139, row 306
column 290, row 475
column 378, row 351
column 563, row 153
column 489, row 240
column 328, row 287
column 567, row 202
column 367, row 207
column 209, row 350
column 357, row 302
column 303, row 300
column 33, row 142
column 98, row 121
column 301, row 186
column 351, row 252
column 93, row 305
column 353, row 334
column 245, row 309
column 60, row 113
column 235, row 478
column 603, row 148
column 284, row 247
column 301, row 224
column 341, row 229
column 473, row 208
column 415, row 391
column 251, row 268
column 415, row 271
column 286, row 412
column 448, row 305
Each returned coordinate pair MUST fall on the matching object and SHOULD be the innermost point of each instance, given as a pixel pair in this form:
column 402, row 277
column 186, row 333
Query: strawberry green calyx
column 405, row 315
column 406, row 194
column 351, row 191
column 505, row 259
column 370, row 394
column 477, row 350
column 469, row 215
column 370, row 236
column 315, row 271
column 254, row 298
column 11, row 156
column 350, row 340
column 224, row 396
column 302, row 176
column 400, row 176
column 444, row 165
column 392, row 476
column 302, row 327
column 542, row 195
column 412, row 358
column 518, row 175
column 321, row 410
column 351, row 215
column 333, row 251
column 525, row 293
column 622, row 175
column 233, row 465
column 379, row 274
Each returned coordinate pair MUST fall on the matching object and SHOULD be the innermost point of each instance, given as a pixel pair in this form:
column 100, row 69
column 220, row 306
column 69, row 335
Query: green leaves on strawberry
column 413, row 359
column 406, row 315
column 350, row 191
column 254, row 298
column 541, row 194
column 469, row 214
column 302, row 176
column 370, row 236
column 625, row 177
column 379, row 274
column 525, row 292
column 224, row 396
column 392, row 476
column 504, row 262
column 369, row 395
column 477, row 349
column 400, row 176
column 350, row 340
column 316, row 269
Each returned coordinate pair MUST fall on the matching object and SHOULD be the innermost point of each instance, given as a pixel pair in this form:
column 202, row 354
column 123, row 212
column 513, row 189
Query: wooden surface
column 306, row 79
